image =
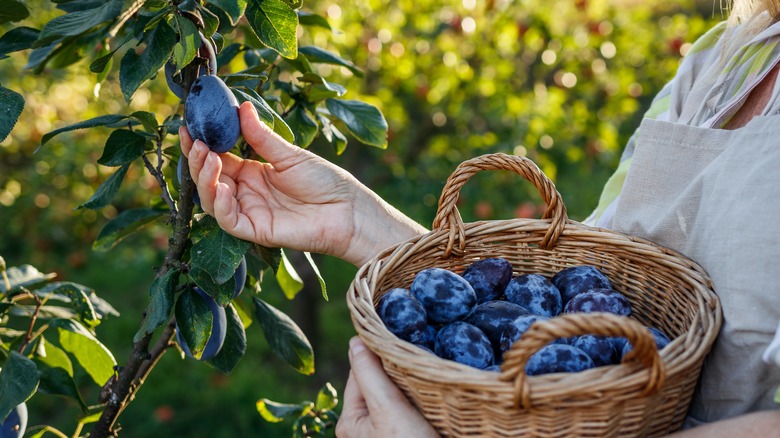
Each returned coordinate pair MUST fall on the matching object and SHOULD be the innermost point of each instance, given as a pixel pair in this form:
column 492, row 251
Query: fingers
column 228, row 215
column 185, row 139
column 265, row 141
column 354, row 414
column 377, row 388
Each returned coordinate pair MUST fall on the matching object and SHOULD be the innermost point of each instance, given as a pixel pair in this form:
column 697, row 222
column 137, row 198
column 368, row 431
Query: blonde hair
column 745, row 11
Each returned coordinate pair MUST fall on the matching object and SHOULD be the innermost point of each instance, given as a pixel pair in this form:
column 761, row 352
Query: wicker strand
column 448, row 216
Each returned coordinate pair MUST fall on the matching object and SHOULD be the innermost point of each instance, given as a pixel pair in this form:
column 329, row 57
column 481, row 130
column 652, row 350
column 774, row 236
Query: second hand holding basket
column 647, row 395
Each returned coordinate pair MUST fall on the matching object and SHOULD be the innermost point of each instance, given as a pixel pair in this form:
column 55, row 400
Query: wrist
column 377, row 226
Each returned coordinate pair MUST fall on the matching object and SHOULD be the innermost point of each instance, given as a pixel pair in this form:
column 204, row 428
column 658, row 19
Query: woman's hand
column 373, row 405
column 296, row 200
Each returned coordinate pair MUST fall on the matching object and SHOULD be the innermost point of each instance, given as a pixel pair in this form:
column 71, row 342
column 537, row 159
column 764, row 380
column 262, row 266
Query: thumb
column 264, row 140
column 375, row 385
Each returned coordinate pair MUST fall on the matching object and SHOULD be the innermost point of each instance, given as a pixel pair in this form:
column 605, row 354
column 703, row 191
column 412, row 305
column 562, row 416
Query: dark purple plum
column 240, row 277
column 599, row 300
column 577, row 279
column 536, row 293
column 446, row 296
column 515, row 329
column 488, row 277
column 218, row 329
column 211, row 114
column 558, row 358
column 600, row 348
column 495, row 368
column 429, row 337
column 661, row 341
column 15, row 423
column 493, row 318
column 403, row 315
column 464, row 343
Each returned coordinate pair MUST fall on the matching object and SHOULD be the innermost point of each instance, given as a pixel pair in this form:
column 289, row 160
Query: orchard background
column 564, row 82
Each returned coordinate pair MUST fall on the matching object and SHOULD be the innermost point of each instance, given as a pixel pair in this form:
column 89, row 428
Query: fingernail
column 356, row 346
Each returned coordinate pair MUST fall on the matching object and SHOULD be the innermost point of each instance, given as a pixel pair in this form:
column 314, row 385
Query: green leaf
column 264, row 111
column 317, row 273
column 317, row 55
column 100, row 63
column 18, row 382
column 284, row 337
column 234, row 347
column 327, row 398
column 282, row 128
column 122, row 147
column 93, row 357
column 288, row 278
column 303, row 125
column 234, row 9
column 147, row 119
column 11, row 106
column 16, row 39
column 26, row 276
column 189, row 41
column 222, row 293
column 275, row 23
column 56, row 373
column 12, row 10
column 214, row 250
column 332, row 134
column 76, row 23
column 195, row 321
column 321, row 89
column 160, row 306
column 310, row 19
column 364, row 121
column 106, row 120
column 135, row 69
column 79, row 301
column 105, row 193
column 123, row 225
column 274, row 412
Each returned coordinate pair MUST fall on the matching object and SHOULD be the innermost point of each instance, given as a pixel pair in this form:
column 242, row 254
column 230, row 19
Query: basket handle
column 542, row 333
column 448, row 217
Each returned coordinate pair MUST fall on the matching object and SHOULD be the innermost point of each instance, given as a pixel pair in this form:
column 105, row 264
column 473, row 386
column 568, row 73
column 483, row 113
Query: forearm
column 378, row 225
column 757, row 424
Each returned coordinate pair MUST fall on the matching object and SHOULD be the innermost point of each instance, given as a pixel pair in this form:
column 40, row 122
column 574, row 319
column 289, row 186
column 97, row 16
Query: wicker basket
column 647, row 395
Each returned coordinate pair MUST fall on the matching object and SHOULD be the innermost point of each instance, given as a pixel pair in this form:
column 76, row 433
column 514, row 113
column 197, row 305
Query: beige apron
column 712, row 194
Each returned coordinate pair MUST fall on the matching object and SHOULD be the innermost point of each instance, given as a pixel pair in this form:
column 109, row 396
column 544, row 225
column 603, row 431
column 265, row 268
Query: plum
column 404, row 316
column 218, row 329
column 15, row 423
column 558, row 358
column 240, row 277
column 488, row 277
column 446, row 296
column 464, row 343
column 207, row 66
column 515, row 329
column 599, row 300
column 211, row 114
column 577, row 279
column 600, row 348
column 536, row 293
column 493, row 318
column 661, row 341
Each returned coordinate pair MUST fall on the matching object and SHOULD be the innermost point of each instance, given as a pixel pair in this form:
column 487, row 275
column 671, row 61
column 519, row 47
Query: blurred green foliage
column 562, row 81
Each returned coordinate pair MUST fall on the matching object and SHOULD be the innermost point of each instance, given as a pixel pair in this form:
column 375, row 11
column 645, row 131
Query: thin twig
column 33, row 319
column 135, row 7
column 157, row 174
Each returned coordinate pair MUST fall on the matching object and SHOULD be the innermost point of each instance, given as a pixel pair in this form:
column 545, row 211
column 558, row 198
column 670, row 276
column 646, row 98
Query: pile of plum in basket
column 473, row 318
